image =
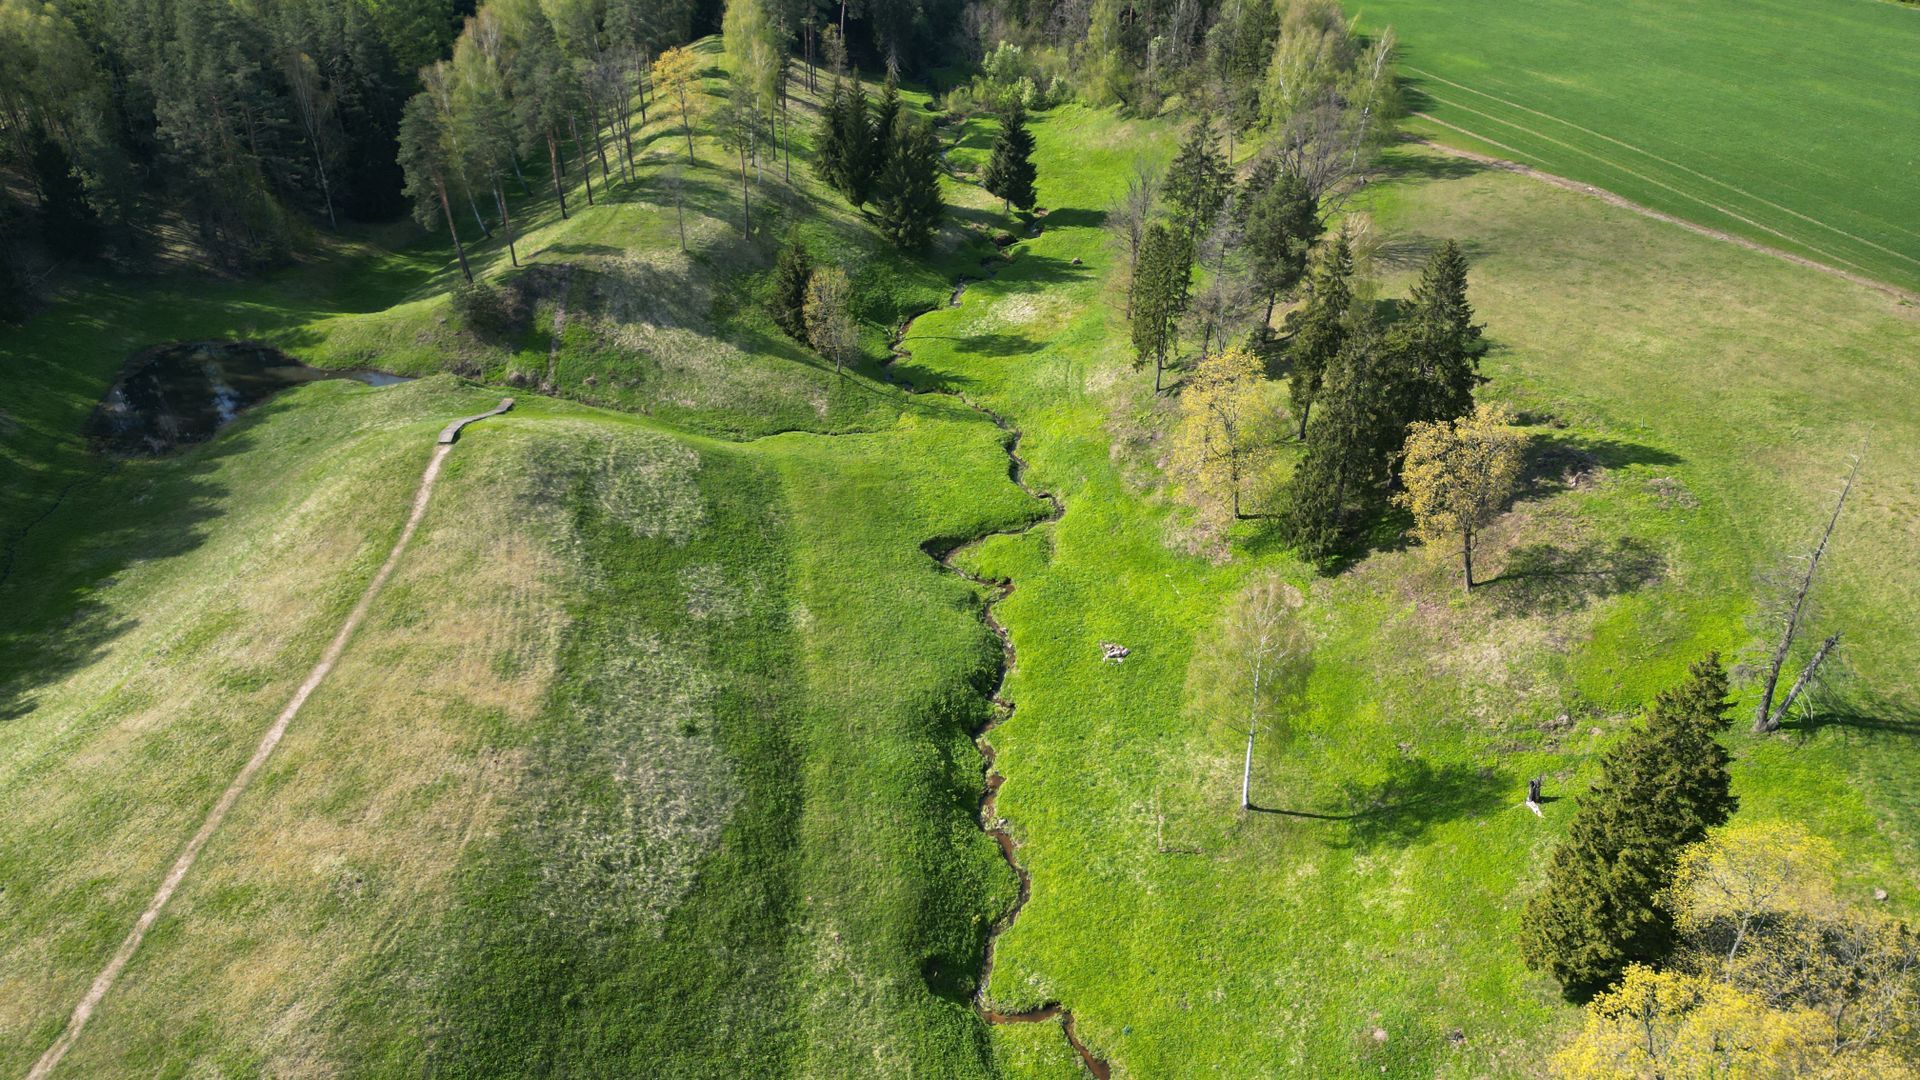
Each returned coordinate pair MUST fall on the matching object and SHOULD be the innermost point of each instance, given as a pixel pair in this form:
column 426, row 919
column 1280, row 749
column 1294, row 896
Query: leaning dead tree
column 1792, row 613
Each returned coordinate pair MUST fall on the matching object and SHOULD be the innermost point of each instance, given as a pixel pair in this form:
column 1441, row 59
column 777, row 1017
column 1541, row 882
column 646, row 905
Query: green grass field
column 1703, row 397
column 654, row 755
column 1788, row 123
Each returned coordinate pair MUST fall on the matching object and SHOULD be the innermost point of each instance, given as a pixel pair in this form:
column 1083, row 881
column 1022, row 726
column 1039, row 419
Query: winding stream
column 990, row 821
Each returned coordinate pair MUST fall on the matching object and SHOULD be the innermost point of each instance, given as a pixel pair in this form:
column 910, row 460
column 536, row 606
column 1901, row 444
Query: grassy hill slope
column 655, row 750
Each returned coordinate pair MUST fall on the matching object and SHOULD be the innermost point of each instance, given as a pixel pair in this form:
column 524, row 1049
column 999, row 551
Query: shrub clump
column 483, row 309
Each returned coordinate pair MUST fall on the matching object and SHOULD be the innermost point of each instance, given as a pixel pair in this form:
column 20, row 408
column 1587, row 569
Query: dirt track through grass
column 103, row 982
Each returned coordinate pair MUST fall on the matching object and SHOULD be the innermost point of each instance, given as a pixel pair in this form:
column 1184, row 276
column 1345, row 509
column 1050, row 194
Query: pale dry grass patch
column 351, row 833
column 640, row 479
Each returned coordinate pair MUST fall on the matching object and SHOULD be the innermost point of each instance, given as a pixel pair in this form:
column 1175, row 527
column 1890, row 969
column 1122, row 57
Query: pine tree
column 1441, row 344
column 788, row 305
column 1348, row 448
column 1010, row 172
column 1317, row 331
column 1282, row 223
column 907, row 194
column 1198, row 182
column 1159, row 296
column 424, row 156
column 1661, row 787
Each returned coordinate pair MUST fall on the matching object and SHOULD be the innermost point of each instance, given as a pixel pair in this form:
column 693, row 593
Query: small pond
column 171, row 395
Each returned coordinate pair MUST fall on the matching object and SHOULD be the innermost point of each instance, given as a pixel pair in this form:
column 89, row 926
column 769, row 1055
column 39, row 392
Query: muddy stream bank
column 944, row 552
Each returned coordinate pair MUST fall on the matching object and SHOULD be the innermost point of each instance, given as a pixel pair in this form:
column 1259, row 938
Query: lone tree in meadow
column 676, row 76
column 791, row 270
column 1320, row 328
column 1010, row 172
column 1661, row 787
column 1458, row 476
column 426, row 160
column 907, row 192
column 1159, row 297
column 1254, row 673
column 1438, row 341
column 739, row 124
column 829, row 315
column 1224, row 439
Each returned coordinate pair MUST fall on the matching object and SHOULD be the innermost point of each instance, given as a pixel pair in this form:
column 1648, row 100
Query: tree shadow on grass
column 987, row 344
column 1410, row 251
column 54, row 622
column 1074, row 217
column 1549, row 577
column 1856, row 707
column 1399, row 808
column 1557, row 463
column 1411, row 164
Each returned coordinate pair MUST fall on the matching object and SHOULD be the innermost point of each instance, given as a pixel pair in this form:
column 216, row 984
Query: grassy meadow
column 1787, row 123
column 1692, row 405
column 654, row 756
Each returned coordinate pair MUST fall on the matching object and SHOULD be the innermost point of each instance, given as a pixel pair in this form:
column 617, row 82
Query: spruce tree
column 1159, row 295
column 1348, row 447
column 857, row 160
column 907, row 194
column 1198, row 181
column 882, row 136
column 830, row 144
column 1317, row 331
column 1440, row 343
column 788, row 305
column 1661, row 787
column 1282, row 223
column 1010, row 172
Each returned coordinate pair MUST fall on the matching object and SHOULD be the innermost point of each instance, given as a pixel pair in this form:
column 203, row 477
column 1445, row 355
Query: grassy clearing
column 1786, row 123
column 1695, row 402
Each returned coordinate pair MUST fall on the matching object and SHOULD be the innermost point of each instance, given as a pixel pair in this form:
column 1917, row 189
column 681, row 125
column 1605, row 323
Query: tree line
column 241, row 120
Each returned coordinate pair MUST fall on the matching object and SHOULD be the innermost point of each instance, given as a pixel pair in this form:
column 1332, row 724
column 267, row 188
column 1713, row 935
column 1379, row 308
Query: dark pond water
column 171, row 395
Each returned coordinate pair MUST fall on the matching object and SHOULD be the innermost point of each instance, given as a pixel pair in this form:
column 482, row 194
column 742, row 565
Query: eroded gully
column 945, row 553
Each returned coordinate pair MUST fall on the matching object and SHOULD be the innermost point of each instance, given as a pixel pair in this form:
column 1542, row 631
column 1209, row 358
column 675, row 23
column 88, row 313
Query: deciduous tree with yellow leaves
column 1775, row 976
column 1226, row 431
column 1458, row 474
column 676, row 76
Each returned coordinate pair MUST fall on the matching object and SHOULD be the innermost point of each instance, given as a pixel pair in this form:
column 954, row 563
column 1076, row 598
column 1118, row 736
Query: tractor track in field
column 1624, row 203
column 103, row 982
column 944, row 550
